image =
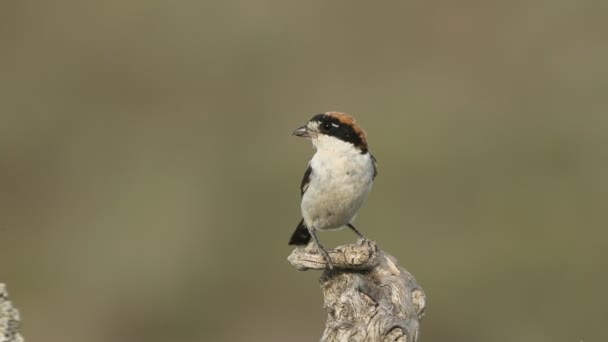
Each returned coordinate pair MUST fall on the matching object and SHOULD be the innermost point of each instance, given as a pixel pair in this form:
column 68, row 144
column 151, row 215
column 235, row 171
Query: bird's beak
column 302, row 132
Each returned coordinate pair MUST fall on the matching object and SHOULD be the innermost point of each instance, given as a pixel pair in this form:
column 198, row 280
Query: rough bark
column 9, row 319
column 368, row 296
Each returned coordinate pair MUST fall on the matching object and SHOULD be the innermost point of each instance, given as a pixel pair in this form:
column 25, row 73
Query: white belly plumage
column 338, row 188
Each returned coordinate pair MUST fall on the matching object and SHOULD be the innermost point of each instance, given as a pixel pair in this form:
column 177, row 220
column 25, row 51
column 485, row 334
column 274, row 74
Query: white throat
column 332, row 145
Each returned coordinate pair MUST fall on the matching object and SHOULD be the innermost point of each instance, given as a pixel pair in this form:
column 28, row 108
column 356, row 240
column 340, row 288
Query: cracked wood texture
column 9, row 319
column 368, row 296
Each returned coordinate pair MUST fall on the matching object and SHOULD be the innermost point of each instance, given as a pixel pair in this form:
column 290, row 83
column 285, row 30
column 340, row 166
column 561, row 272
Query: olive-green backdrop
column 149, row 179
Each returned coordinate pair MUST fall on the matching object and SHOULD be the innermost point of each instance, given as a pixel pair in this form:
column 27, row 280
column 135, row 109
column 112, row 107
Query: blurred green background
column 149, row 179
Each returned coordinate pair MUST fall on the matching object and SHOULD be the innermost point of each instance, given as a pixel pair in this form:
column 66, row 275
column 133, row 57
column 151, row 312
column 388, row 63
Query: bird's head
column 334, row 125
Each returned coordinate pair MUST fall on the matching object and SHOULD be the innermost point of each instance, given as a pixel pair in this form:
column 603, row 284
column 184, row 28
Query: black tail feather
column 301, row 236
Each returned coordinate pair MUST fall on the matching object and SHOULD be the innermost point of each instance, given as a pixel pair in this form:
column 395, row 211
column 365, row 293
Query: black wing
column 375, row 166
column 305, row 180
column 301, row 236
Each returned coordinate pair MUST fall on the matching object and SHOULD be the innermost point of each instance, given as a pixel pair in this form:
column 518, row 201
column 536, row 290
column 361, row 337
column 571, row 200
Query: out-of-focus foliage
column 149, row 182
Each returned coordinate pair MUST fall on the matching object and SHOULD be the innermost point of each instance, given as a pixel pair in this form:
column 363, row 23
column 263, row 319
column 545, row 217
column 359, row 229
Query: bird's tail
column 300, row 236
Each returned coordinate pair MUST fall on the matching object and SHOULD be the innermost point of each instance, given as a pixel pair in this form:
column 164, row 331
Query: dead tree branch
column 9, row 319
column 368, row 297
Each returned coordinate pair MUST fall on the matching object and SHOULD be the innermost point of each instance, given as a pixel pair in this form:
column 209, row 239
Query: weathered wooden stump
column 368, row 296
column 9, row 319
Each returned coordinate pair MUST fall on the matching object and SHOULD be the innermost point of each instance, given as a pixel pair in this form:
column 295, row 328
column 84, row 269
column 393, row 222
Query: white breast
column 340, row 181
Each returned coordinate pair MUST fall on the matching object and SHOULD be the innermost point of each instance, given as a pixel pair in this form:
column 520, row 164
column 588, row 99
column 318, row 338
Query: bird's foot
column 330, row 264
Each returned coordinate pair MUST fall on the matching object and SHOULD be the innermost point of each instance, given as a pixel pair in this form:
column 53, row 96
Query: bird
column 337, row 180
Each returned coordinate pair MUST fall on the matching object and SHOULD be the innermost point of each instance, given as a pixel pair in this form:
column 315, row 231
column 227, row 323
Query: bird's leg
column 330, row 265
column 356, row 231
